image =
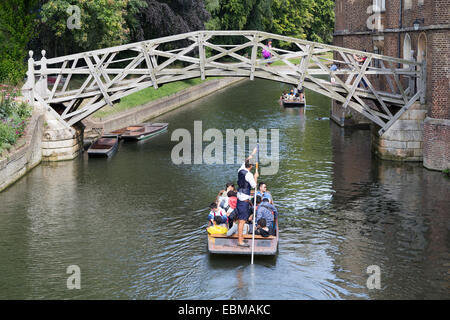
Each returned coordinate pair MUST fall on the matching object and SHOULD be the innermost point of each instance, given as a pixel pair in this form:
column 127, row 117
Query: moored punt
column 222, row 244
column 105, row 146
column 141, row 131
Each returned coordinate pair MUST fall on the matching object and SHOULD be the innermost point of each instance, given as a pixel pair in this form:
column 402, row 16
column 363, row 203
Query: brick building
column 409, row 29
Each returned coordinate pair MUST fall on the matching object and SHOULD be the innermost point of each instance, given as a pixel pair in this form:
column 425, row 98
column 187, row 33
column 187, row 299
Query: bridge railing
column 82, row 83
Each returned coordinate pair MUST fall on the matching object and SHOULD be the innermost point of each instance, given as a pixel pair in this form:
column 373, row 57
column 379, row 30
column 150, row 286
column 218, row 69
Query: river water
column 135, row 223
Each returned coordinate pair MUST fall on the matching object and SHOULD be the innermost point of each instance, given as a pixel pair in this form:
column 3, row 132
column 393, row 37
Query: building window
column 407, row 54
column 421, row 53
column 381, row 4
column 408, row 4
column 420, row 2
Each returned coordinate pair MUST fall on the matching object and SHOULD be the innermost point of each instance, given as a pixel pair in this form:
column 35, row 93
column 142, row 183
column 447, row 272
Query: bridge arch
column 86, row 82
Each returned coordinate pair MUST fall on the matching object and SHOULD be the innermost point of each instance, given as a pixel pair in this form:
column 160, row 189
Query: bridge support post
column 202, row 55
column 60, row 143
column 42, row 85
column 403, row 141
column 28, row 87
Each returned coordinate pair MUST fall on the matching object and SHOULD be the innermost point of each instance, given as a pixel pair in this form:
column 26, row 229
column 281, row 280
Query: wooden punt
column 293, row 104
column 141, row 131
column 105, row 146
column 221, row 244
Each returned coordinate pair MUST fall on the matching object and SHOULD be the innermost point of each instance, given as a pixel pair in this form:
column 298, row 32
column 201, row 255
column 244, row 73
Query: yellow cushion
column 217, row 230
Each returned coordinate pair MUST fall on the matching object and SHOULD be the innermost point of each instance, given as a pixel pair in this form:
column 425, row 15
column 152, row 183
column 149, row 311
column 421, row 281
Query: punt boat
column 141, row 131
column 105, row 146
column 294, row 104
column 222, row 244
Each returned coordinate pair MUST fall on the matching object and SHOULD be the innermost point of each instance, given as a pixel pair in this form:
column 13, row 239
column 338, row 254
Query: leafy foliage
column 16, row 30
column 102, row 24
column 164, row 18
column 304, row 19
column 13, row 116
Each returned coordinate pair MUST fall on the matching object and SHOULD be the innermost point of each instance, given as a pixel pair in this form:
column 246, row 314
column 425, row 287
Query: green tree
column 304, row 19
column 17, row 19
column 238, row 14
column 291, row 17
column 322, row 25
column 103, row 23
column 169, row 17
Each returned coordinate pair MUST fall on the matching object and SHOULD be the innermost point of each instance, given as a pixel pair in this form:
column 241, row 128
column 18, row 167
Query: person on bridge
column 266, row 53
column 246, row 182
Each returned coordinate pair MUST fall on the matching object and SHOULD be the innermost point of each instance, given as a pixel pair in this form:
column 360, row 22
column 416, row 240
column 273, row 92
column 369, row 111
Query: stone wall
column 27, row 156
column 437, row 144
column 404, row 140
column 59, row 142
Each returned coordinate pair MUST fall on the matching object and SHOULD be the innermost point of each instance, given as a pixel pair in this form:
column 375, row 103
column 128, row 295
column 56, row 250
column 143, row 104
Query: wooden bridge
column 78, row 85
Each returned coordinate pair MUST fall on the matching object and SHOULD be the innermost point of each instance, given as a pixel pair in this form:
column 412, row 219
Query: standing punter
column 246, row 182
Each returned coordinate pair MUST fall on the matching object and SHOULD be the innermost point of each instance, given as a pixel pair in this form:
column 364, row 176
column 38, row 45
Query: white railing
column 83, row 83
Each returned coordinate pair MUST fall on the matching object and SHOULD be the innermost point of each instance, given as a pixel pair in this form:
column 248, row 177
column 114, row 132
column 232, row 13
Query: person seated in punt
column 263, row 193
column 222, row 199
column 234, row 225
column 268, row 212
column 302, row 94
column 262, row 229
column 232, row 201
column 228, row 187
column 218, row 227
column 217, row 212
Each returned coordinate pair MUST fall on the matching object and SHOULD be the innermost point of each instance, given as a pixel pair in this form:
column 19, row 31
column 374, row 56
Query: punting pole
column 254, row 204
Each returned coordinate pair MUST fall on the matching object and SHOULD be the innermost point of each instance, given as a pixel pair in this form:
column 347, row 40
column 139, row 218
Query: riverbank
column 25, row 154
column 33, row 148
column 94, row 125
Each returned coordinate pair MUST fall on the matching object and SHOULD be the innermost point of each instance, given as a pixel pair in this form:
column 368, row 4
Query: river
column 135, row 223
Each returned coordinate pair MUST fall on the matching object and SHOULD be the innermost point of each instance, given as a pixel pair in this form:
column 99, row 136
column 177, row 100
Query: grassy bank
column 147, row 95
column 328, row 55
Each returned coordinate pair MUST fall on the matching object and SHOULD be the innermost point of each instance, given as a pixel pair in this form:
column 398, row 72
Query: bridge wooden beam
column 255, row 40
column 98, row 80
column 150, row 67
column 104, row 77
